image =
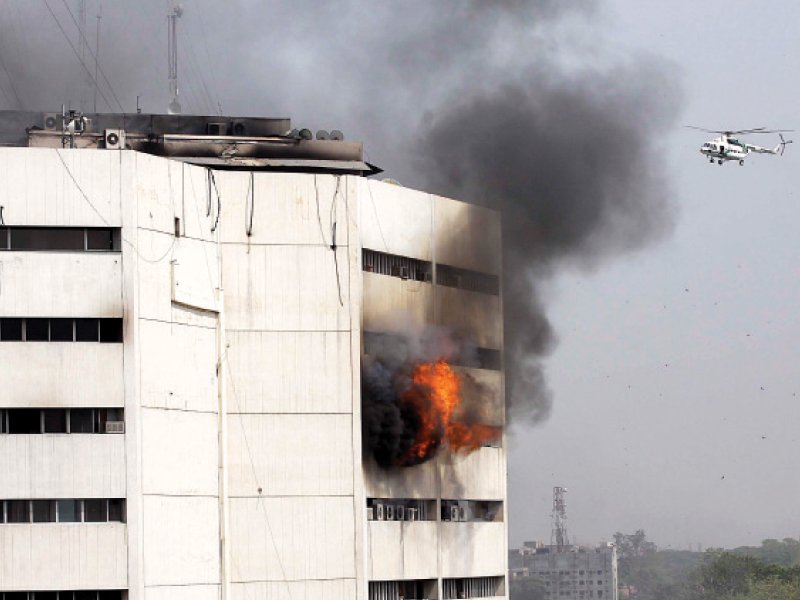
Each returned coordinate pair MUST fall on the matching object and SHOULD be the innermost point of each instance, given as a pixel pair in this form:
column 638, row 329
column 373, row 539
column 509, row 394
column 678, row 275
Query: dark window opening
column 95, row 511
column 18, row 511
column 45, row 596
column 24, row 421
column 410, row 589
column 16, row 596
column 473, row 587
column 82, row 420
column 87, row 330
column 467, row 355
column 472, row 510
column 464, row 279
column 110, row 330
column 55, row 420
column 395, row 265
column 177, row 227
column 10, row 329
column 116, row 510
column 36, row 330
column 61, row 330
column 44, row 511
column 60, row 239
column 85, row 595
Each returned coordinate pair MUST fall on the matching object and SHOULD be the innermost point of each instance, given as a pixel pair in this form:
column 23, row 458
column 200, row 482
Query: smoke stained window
column 470, row 281
column 473, row 587
column 472, row 511
column 395, row 265
column 466, row 355
column 408, row 589
column 400, row 509
column 61, row 420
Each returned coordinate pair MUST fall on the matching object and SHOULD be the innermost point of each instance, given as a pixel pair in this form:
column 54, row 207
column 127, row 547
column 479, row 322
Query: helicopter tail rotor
column 783, row 143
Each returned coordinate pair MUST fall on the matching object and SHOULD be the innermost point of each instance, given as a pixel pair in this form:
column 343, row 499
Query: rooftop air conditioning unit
column 454, row 512
column 370, row 513
column 52, row 121
column 379, row 512
column 400, row 513
column 411, row 514
column 115, row 139
column 115, row 427
column 389, row 512
column 238, row 128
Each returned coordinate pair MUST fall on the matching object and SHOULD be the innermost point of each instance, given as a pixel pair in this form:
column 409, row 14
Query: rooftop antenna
column 559, row 537
column 173, row 15
column 87, row 82
column 97, row 52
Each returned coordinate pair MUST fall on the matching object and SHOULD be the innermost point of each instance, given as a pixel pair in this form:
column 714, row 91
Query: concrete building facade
column 180, row 346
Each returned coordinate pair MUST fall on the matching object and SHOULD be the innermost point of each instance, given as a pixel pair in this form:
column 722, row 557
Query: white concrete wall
column 61, row 374
column 48, row 466
column 403, row 550
column 60, row 284
column 472, row 549
column 63, row 556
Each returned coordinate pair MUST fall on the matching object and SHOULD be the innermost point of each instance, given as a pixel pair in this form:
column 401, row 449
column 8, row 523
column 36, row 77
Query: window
column 61, row 239
column 44, row 511
column 87, row 330
column 36, row 330
column 55, row 420
column 472, row 510
column 10, row 329
column 395, row 265
column 473, row 587
column 379, row 343
column 116, row 510
column 17, row 511
column 95, row 511
column 61, row 330
column 69, row 511
column 416, row 589
column 110, row 330
column 400, row 509
column 23, row 420
column 45, row 595
column 81, row 420
column 464, row 279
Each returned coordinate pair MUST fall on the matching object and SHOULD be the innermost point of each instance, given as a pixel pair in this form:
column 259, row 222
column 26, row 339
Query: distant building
column 570, row 573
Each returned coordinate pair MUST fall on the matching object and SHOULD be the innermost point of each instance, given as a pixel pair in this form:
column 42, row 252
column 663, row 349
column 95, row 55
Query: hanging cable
column 333, row 238
column 2, row 222
column 219, row 200
column 251, row 196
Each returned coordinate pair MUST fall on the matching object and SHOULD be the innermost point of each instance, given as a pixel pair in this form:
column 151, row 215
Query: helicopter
column 726, row 147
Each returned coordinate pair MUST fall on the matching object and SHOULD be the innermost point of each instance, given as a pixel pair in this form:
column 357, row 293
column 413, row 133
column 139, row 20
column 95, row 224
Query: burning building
column 235, row 367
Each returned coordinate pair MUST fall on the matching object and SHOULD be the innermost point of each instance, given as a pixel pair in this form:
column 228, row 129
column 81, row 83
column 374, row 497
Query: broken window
column 10, row 329
column 472, row 510
column 409, row 589
column 395, row 265
column 464, row 279
column 379, row 344
column 400, row 509
column 473, row 587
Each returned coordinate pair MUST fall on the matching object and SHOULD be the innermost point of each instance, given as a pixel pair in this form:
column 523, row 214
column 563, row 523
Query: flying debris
column 727, row 147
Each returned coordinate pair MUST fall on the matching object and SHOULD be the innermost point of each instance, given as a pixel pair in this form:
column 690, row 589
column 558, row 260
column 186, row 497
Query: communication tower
column 559, row 537
column 173, row 15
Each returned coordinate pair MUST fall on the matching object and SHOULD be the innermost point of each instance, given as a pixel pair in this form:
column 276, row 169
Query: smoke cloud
column 520, row 105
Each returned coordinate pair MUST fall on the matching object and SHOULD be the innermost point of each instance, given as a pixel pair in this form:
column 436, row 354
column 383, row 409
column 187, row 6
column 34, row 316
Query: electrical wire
column 251, row 195
column 77, row 55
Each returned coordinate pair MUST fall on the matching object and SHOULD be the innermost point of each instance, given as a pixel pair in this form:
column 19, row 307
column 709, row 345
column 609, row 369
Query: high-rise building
column 189, row 310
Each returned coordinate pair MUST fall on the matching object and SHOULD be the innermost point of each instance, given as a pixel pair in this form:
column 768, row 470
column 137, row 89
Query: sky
column 673, row 377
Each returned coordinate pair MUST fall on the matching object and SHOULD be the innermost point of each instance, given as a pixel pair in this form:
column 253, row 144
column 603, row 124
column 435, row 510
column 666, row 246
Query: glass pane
column 110, row 330
column 55, row 420
column 69, row 511
column 81, row 420
column 44, row 511
column 10, row 329
column 86, row 330
column 36, row 330
column 3, row 238
column 17, row 511
column 85, row 595
column 24, row 420
column 52, row 238
column 94, row 511
column 60, row 330
column 45, row 596
column 110, row 595
column 99, row 239
column 116, row 510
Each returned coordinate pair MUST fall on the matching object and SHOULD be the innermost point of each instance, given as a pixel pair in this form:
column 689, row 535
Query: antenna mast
column 87, row 82
column 97, row 52
column 559, row 535
column 172, row 57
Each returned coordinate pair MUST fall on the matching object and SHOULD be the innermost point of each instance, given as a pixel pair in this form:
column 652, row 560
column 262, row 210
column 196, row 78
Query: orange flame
column 435, row 396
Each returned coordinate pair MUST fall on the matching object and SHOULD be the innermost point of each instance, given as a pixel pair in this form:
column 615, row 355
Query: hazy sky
column 675, row 375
